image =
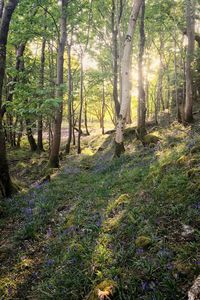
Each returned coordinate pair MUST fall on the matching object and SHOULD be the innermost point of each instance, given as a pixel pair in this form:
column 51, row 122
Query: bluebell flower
column 164, row 253
column 10, row 291
column 49, row 232
column 170, row 266
column 50, row 262
column 139, row 251
column 28, row 211
column 197, row 206
column 144, row 286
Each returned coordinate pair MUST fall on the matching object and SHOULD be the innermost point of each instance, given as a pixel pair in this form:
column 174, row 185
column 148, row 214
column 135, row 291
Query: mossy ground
column 62, row 239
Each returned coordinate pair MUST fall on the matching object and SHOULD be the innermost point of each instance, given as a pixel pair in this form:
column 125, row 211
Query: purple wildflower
column 164, row 253
column 10, row 291
column 144, row 285
column 139, row 251
column 28, row 211
column 50, row 262
column 49, row 232
column 31, row 203
column 170, row 266
column 197, row 206
column 99, row 222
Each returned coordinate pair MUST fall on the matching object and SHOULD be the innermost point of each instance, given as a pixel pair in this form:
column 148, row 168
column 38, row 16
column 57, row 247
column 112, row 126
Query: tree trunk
column 126, row 63
column 103, row 108
column 40, row 121
column 128, row 116
column 142, row 101
column 178, row 112
column 81, row 108
column 188, row 115
column 6, row 186
column 1, row 8
column 73, row 124
column 67, row 149
column 115, row 61
column 54, row 156
column 86, row 119
column 19, row 137
column 30, row 136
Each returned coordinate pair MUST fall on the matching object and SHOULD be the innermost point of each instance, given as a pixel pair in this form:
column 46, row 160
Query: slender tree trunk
column 30, row 136
column 188, row 115
column 103, row 108
column 73, row 124
column 142, row 101
column 115, row 61
column 1, row 8
column 147, row 99
column 40, row 120
column 86, row 119
column 54, row 156
column 159, row 96
column 67, row 149
column 178, row 112
column 6, row 186
column 81, row 108
column 126, row 63
column 19, row 137
column 52, row 80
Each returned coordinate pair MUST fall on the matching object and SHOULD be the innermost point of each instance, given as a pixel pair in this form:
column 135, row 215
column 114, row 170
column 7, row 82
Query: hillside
column 125, row 228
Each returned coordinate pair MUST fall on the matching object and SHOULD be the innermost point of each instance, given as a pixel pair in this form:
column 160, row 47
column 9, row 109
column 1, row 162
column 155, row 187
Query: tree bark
column 30, row 136
column 188, row 115
column 81, row 108
column 141, row 95
column 6, row 186
column 115, row 61
column 19, row 137
column 126, row 63
column 103, row 109
column 67, row 149
column 54, row 156
column 40, row 119
column 1, row 8
column 86, row 118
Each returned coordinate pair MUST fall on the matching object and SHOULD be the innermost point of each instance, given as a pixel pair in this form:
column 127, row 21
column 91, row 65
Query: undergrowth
column 111, row 219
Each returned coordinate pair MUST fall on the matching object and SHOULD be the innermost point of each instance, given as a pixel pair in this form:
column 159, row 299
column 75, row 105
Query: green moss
column 182, row 267
column 143, row 242
column 150, row 139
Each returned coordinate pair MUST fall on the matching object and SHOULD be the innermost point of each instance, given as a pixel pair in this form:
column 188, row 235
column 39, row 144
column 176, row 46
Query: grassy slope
column 102, row 218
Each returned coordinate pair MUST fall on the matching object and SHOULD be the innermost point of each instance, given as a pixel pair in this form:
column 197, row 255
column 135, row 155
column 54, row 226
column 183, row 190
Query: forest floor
column 131, row 224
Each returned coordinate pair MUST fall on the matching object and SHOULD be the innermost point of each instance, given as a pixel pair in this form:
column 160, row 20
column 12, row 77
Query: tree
column 70, row 120
column 188, row 115
column 54, row 156
column 126, row 62
column 115, row 54
column 40, row 121
column 6, row 186
column 141, row 95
